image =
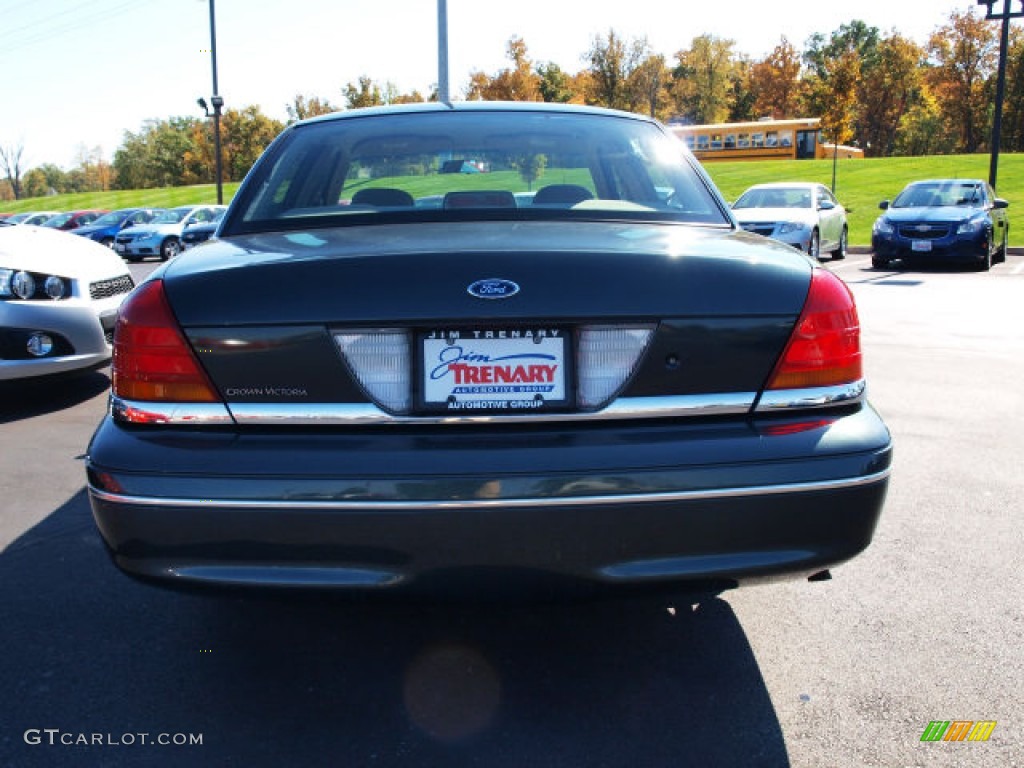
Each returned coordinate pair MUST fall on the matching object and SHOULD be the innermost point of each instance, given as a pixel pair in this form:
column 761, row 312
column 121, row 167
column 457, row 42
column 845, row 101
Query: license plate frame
column 496, row 370
column 921, row 246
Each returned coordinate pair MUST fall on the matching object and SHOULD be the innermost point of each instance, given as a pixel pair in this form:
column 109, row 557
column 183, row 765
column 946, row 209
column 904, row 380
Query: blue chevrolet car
column 958, row 221
column 606, row 385
column 104, row 229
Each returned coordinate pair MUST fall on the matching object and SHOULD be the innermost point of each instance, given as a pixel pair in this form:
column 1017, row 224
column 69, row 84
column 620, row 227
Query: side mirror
column 884, row 205
column 1000, row 203
column 826, row 205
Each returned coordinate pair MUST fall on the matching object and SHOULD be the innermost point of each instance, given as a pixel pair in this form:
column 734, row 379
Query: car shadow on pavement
column 91, row 654
column 24, row 399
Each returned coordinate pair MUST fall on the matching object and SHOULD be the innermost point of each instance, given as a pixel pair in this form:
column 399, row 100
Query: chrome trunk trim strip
column 555, row 501
column 812, row 397
column 138, row 412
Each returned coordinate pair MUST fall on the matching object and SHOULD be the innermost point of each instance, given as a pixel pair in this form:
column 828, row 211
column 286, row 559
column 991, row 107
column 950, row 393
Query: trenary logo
column 493, row 288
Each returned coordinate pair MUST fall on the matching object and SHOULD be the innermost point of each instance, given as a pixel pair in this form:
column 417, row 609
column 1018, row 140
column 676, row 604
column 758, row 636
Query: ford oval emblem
column 493, row 288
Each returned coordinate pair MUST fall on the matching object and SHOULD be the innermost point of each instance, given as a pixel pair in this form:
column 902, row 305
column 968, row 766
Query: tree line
column 881, row 91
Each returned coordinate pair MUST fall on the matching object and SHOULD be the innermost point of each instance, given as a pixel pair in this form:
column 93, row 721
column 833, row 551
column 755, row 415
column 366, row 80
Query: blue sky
column 80, row 72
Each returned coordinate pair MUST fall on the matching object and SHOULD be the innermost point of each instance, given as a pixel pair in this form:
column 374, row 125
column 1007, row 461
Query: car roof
column 473, row 106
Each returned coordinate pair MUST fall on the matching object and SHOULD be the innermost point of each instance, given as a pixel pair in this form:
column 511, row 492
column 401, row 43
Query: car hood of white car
column 774, row 214
column 50, row 251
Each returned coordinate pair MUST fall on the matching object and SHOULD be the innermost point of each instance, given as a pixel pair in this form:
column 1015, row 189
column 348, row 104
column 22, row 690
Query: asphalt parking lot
column 924, row 626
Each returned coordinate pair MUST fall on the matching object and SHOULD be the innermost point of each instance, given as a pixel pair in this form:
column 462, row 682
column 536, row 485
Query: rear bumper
column 632, row 505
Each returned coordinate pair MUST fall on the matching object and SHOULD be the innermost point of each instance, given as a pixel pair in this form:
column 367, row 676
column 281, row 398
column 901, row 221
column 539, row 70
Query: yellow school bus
column 796, row 139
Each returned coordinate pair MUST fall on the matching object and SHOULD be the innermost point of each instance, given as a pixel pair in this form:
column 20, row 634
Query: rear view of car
column 569, row 369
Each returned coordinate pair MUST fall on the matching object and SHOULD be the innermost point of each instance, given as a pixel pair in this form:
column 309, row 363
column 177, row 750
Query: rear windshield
column 458, row 164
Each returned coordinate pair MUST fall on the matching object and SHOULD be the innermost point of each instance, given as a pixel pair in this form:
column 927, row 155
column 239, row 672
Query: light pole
column 217, row 102
column 997, row 119
column 442, row 51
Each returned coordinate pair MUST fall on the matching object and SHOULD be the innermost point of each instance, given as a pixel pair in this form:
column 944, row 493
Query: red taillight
column 152, row 360
column 825, row 346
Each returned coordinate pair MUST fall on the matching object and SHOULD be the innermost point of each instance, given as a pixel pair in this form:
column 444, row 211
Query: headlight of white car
column 790, row 226
column 19, row 284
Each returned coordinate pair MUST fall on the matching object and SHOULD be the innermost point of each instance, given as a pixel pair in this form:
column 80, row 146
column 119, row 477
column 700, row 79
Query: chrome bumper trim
column 440, row 505
column 137, row 412
column 812, row 397
column 730, row 403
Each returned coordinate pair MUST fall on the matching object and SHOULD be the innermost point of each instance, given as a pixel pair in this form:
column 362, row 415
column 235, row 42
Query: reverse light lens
column 152, row 360
column 380, row 361
column 606, row 358
column 824, row 349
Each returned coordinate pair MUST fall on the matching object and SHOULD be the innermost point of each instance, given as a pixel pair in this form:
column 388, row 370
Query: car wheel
column 840, row 253
column 169, row 248
column 107, row 241
column 986, row 261
column 879, row 263
column 814, row 247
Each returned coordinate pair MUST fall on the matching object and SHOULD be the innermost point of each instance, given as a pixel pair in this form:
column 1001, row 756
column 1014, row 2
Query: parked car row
column 938, row 220
column 134, row 233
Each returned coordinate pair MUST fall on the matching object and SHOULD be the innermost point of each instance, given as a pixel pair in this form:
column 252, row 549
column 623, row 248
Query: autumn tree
column 303, row 106
column 922, row 130
column 245, row 133
column 1013, row 104
column 612, row 62
column 889, row 87
column 364, row 93
column 10, row 164
column 742, row 99
column 775, row 82
column 516, row 83
column 963, row 54
column 704, row 79
column 554, row 84
column 647, row 87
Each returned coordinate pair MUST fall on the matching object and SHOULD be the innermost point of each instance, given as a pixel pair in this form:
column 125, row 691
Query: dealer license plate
column 920, row 246
column 495, row 369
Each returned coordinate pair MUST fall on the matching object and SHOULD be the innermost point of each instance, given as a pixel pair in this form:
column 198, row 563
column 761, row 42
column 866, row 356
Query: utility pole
column 442, row 51
column 997, row 120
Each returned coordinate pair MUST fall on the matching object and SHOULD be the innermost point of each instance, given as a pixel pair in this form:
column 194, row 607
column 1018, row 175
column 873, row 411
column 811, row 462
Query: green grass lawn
column 860, row 186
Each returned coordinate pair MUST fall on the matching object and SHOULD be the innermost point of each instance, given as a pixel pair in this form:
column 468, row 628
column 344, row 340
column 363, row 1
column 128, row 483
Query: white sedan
column 59, row 296
column 804, row 215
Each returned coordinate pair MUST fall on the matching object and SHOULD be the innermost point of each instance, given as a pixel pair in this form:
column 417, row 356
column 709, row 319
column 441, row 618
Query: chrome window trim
column 169, row 413
column 565, row 501
column 725, row 404
column 812, row 397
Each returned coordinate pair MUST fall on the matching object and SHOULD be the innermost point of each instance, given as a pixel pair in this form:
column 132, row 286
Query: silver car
column 59, row 296
column 802, row 214
column 162, row 236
